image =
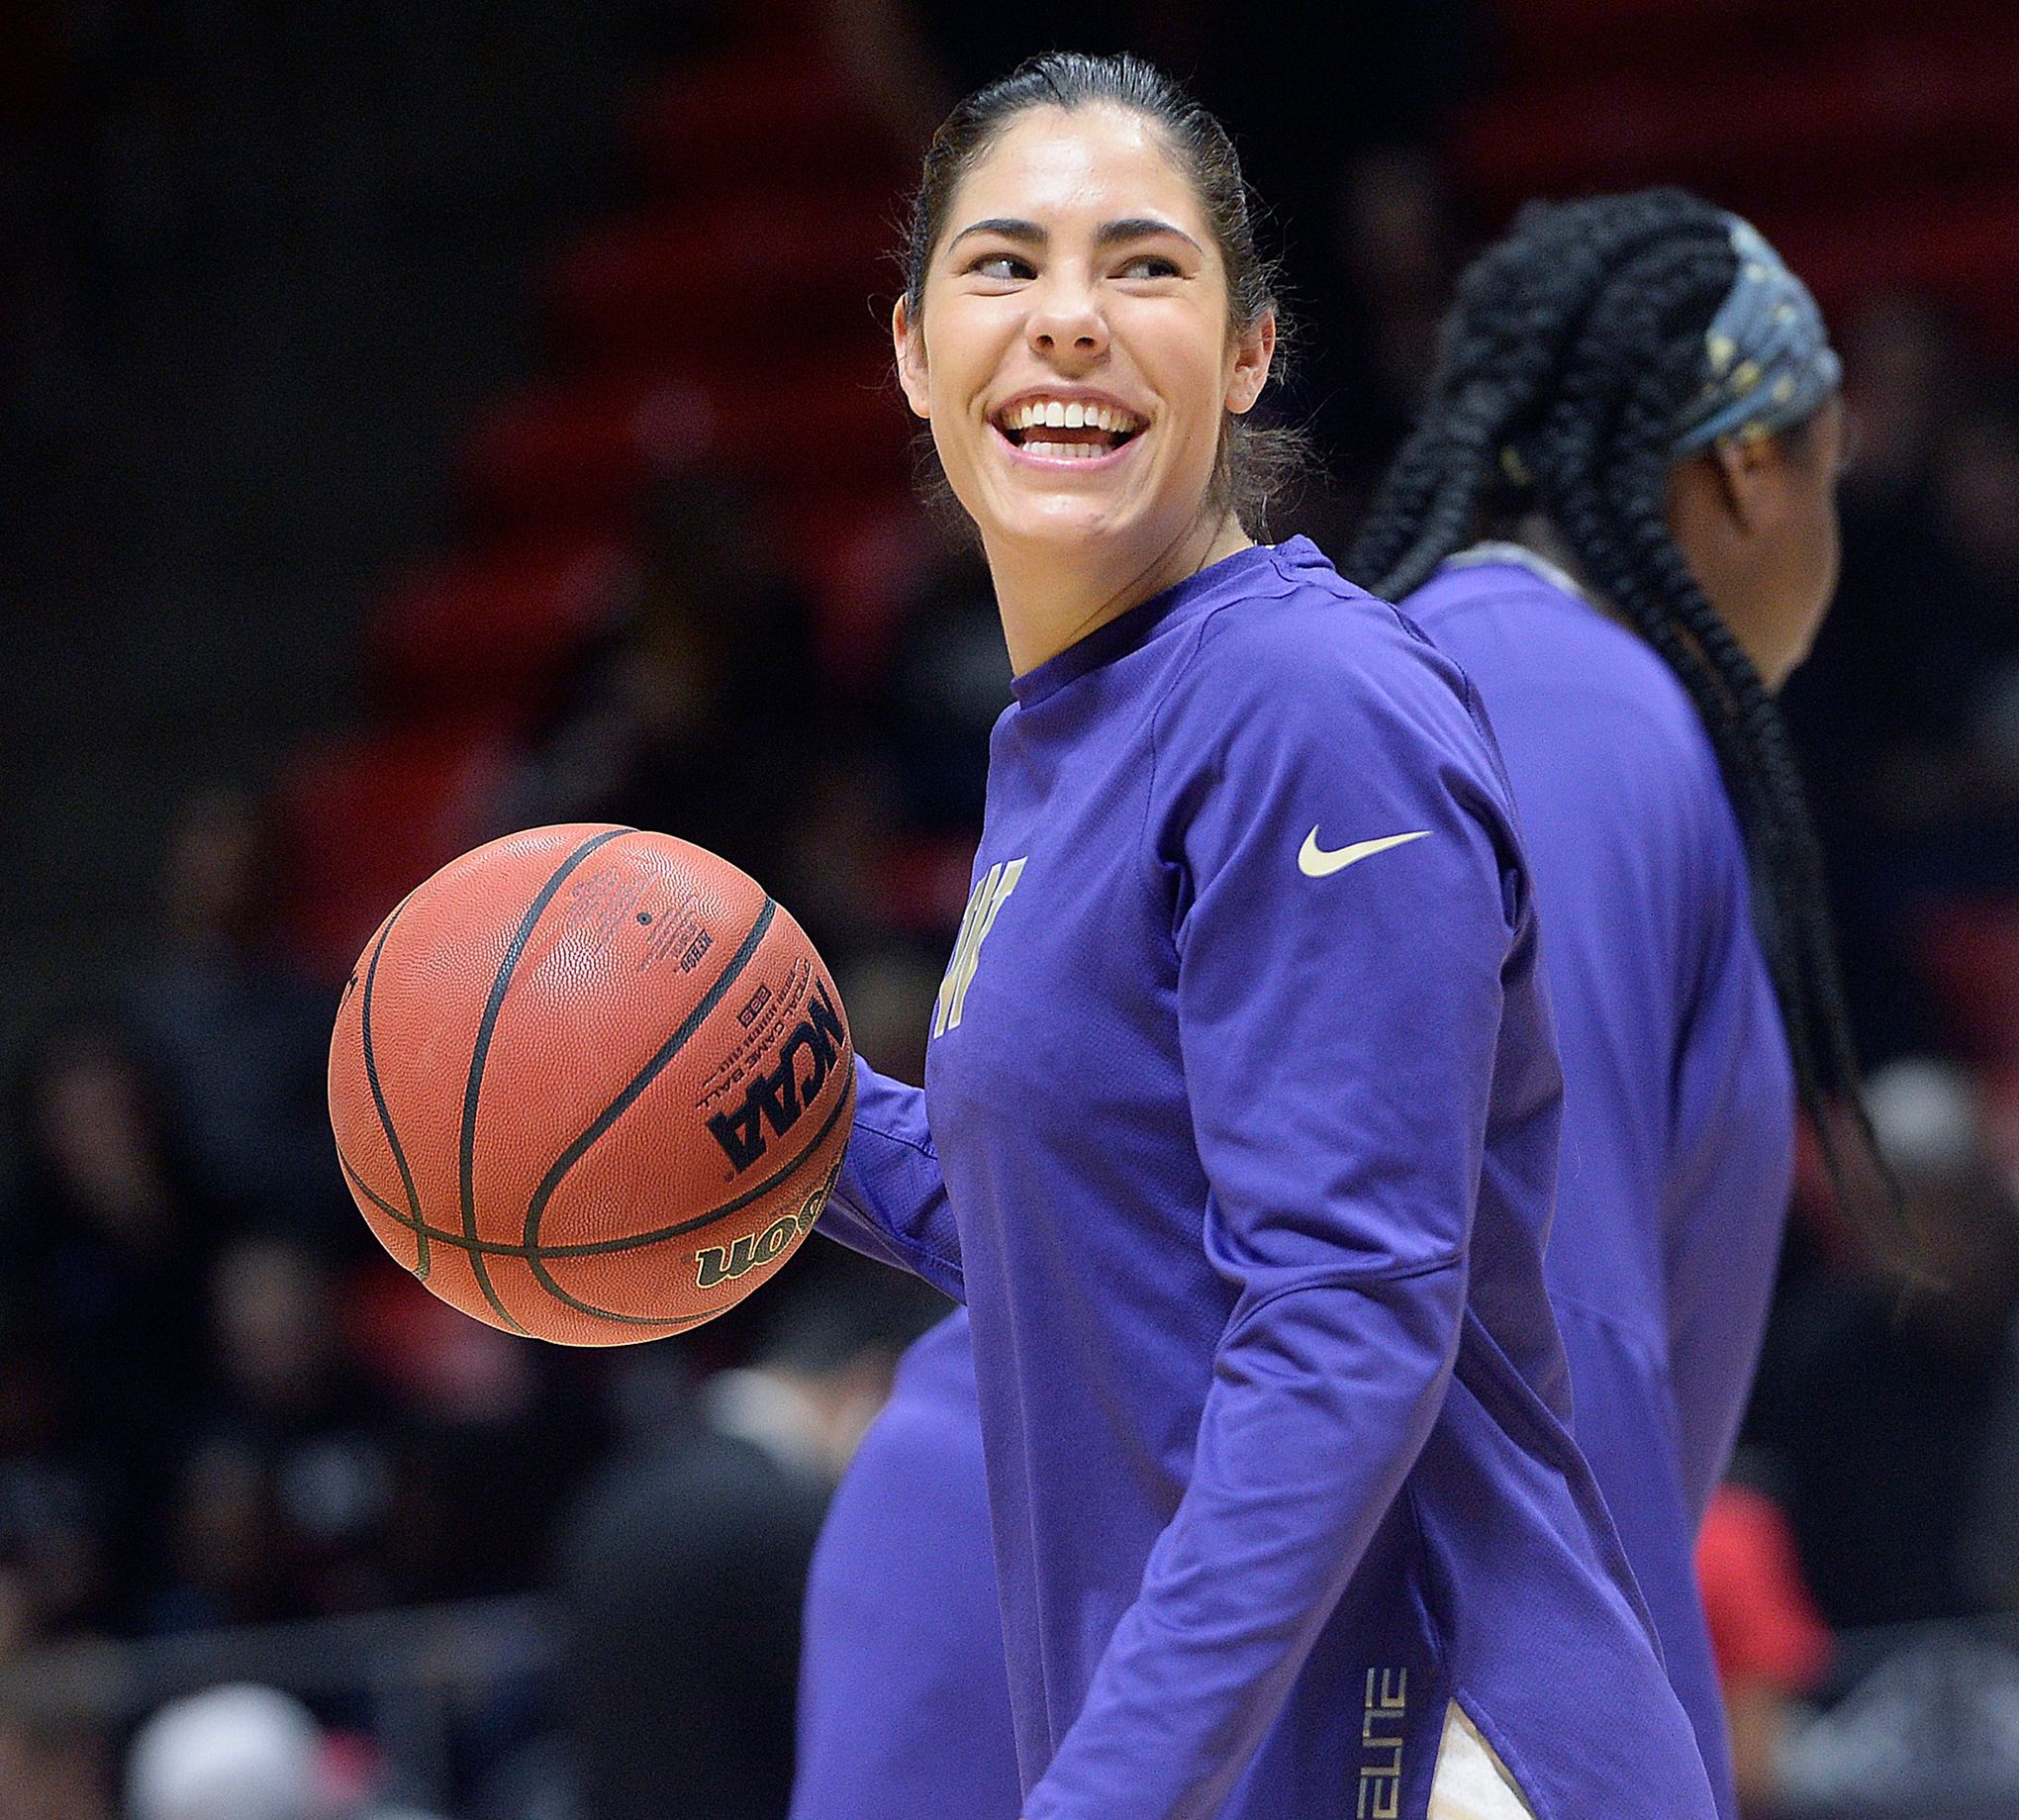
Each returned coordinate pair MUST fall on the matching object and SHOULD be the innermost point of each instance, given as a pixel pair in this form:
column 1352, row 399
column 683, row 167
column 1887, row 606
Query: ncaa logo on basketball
column 776, row 1098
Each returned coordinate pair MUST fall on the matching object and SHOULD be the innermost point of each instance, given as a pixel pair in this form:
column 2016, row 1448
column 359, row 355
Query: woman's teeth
column 1067, row 451
column 1051, row 413
column 1082, row 430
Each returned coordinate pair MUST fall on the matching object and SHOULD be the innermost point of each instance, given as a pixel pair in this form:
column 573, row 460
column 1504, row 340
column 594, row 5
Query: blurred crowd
column 220, row 1407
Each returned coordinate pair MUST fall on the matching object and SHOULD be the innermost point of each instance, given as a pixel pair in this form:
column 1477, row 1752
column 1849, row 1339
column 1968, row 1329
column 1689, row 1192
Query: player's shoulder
column 1306, row 640
column 1540, row 651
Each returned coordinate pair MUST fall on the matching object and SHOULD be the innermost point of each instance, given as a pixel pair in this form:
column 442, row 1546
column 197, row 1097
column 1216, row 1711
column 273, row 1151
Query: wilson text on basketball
column 717, row 1264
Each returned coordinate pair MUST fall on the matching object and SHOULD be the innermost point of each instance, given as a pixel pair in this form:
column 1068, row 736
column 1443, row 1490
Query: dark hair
column 1571, row 346
column 1255, row 462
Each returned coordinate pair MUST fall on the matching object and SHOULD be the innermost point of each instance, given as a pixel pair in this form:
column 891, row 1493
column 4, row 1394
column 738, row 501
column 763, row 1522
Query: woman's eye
column 1004, row 265
column 1149, row 265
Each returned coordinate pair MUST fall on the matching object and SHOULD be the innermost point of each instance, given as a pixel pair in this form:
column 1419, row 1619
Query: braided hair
column 1573, row 346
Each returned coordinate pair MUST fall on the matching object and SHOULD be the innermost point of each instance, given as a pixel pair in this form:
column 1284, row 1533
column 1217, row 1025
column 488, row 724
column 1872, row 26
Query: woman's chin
column 1067, row 518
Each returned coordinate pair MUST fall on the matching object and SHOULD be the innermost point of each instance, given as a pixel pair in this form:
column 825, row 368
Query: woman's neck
column 1050, row 599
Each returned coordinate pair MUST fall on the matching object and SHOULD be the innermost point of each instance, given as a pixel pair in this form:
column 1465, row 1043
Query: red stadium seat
column 671, row 283
column 1763, row 1621
column 2001, row 1114
column 1961, row 249
column 585, row 452
column 754, row 117
column 1543, row 38
column 924, row 883
column 368, row 816
column 481, row 633
column 1878, row 116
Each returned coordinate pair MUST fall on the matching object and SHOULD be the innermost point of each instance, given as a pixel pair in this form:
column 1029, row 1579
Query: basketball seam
column 535, row 1260
column 599, row 1248
column 536, row 1208
column 480, row 1056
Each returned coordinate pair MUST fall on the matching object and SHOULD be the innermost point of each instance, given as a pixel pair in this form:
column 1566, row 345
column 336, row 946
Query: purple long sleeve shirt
column 1237, row 1141
column 1678, row 1128
column 1679, row 1099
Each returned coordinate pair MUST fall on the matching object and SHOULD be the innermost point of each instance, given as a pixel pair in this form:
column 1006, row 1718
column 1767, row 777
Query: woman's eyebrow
column 1007, row 227
column 1109, row 233
column 1142, row 228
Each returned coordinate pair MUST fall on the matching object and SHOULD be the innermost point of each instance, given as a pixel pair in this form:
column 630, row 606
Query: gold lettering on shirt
column 983, row 907
column 1383, row 1724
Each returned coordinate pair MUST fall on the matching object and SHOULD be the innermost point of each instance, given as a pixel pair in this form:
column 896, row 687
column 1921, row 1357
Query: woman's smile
column 1063, row 429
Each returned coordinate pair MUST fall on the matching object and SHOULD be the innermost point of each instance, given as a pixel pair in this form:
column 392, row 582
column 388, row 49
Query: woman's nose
column 1067, row 319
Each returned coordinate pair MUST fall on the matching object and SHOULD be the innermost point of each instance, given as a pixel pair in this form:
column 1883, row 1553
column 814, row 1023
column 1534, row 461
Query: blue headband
column 1769, row 359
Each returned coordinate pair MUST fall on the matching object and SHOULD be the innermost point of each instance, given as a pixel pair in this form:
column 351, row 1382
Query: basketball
column 591, row 1084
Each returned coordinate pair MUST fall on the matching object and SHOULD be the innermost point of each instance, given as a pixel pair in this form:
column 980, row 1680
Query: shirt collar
column 1132, row 629
column 1517, row 555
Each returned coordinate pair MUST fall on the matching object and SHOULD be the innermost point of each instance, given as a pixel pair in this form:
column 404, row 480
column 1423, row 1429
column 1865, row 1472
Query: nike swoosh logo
column 1316, row 863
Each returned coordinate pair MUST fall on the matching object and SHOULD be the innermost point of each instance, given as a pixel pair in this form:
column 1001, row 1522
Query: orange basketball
column 591, row 1084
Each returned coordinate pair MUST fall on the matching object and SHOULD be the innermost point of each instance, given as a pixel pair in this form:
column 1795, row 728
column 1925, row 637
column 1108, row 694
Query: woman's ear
column 907, row 336
column 1254, row 350
column 1748, row 470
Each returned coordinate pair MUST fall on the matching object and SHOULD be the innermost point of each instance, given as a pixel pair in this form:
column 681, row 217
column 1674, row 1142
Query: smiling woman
column 1113, row 266
column 1241, row 1108
column 1102, row 290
